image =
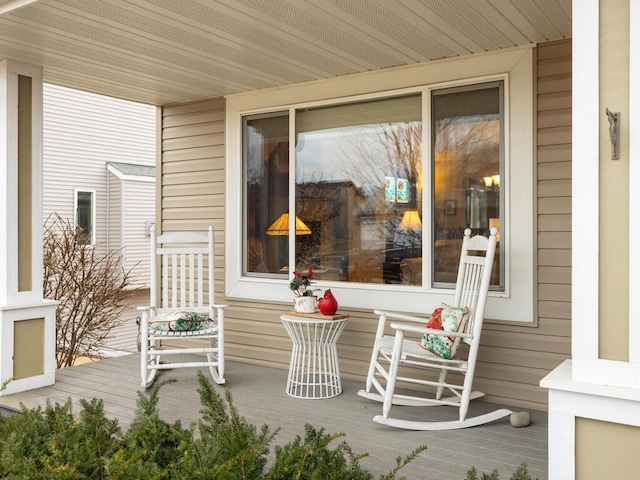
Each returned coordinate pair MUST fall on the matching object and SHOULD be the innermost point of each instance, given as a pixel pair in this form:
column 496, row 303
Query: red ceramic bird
column 328, row 304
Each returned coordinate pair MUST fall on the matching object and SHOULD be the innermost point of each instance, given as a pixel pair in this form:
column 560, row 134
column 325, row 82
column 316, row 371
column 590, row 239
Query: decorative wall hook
column 614, row 133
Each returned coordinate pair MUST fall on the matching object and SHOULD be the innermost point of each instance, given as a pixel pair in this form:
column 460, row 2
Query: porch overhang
column 163, row 52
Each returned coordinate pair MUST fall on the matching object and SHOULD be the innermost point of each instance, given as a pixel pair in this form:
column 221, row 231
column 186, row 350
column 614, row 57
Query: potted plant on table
column 305, row 298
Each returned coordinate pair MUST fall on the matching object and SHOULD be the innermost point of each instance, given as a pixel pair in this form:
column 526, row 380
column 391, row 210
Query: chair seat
column 212, row 330
column 413, row 349
column 181, row 323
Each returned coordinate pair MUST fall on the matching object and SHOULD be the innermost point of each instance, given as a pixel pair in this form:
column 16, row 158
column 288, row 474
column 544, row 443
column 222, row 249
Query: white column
column 27, row 321
column 587, row 386
column 634, row 183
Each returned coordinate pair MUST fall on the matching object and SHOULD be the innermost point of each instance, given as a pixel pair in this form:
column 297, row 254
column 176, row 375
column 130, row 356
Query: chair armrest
column 401, row 316
column 147, row 307
column 415, row 329
column 220, row 305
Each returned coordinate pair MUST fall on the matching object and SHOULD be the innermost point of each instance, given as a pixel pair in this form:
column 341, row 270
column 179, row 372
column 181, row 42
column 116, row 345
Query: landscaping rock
column 520, row 419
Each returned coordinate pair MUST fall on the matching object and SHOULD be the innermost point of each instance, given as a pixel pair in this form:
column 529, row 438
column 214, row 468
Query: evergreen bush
column 521, row 473
column 53, row 442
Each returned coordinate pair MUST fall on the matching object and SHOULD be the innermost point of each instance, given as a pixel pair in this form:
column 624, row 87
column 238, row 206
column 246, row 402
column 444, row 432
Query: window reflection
column 266, row 171
column 358, row 170
column 359, row 187
column 467, row 151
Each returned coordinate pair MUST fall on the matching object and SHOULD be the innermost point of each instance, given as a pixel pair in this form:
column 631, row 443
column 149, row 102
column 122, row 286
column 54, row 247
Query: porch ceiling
column 167, row 51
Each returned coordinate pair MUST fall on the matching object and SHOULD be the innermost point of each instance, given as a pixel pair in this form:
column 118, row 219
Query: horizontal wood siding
column 139, row 208
column 514, row 358
column 81, row 133
column 192, row 173
column 114, row 212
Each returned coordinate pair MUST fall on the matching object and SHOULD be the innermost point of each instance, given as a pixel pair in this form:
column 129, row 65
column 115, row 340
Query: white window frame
column 76, row 191
column 515, row 67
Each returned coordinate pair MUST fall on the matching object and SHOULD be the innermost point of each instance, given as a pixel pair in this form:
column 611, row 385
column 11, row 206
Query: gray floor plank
column 259, row 395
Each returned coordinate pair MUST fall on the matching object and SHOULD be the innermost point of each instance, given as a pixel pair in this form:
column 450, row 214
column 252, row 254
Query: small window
column 85, row 209
column 467, row 162
column 266, row 153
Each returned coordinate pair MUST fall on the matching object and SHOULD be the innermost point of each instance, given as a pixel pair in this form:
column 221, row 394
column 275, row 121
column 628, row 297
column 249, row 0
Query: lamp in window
column 281, row 226
column 410, row 221
column 491, row 181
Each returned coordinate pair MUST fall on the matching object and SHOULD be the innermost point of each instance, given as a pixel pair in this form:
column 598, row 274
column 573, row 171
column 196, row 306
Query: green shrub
column 52, row 442
column 520, row 474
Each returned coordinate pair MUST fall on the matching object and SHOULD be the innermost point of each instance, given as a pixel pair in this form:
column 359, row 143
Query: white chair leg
column 442, row 378
column 220, row 345
column 393, row 373
column 144, row 347
column 382, row 321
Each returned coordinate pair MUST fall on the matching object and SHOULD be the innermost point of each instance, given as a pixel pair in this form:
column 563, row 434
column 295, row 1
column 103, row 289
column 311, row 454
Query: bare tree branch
column 93, row 290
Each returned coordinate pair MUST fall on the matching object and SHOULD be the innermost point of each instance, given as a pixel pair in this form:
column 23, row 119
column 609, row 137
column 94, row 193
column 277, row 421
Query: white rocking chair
column 184, row 313
column 392, row 353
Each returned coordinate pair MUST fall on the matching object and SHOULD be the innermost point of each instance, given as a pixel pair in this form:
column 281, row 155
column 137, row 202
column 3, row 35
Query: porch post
column 594, row 398
column 27, row 321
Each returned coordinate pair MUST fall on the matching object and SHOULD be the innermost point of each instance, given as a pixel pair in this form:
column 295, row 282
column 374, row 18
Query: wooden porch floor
column 259, row 395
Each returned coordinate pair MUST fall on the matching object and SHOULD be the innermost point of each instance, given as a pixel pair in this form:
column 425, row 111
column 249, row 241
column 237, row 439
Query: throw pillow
column 450, row 319
column 180, row 321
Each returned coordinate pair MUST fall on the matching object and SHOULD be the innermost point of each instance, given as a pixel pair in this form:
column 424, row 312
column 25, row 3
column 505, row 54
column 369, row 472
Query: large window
column 359, row 210
column 85, row 214
column 373, row 179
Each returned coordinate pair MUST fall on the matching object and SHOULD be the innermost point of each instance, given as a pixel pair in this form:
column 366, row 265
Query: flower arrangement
column 301, row 283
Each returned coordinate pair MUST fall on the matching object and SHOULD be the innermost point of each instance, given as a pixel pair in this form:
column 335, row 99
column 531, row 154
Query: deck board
column 259, row 395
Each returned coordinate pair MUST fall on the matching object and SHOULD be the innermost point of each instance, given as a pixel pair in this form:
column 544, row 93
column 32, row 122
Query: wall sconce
column 281, row 226
column 491, row 181
column 148, row 225
column 410, row 221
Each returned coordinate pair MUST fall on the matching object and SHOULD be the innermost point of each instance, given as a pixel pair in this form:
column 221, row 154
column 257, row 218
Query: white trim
column 11, row 6
column 634, row 182
column 8, row 180
column 37, row 267
column 585, row 184
column 92, row 191
column 570, row 399
column 123, row 219
column 9, row 315
column 9, row 73
column 607, row 372
column 515, row 64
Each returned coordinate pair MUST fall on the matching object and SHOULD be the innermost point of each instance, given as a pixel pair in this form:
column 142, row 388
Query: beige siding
column 192, row 173
column 514, row 358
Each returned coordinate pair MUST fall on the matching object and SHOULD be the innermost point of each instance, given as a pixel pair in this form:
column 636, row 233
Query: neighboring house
column 99, row 173
column 253, row 96
column 131, row 193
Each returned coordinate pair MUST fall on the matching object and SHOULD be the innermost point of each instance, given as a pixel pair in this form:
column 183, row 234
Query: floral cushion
column 450, row 319
column 180, row 321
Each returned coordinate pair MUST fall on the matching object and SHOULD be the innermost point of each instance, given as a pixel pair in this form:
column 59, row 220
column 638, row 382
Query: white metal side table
column 313, row 371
